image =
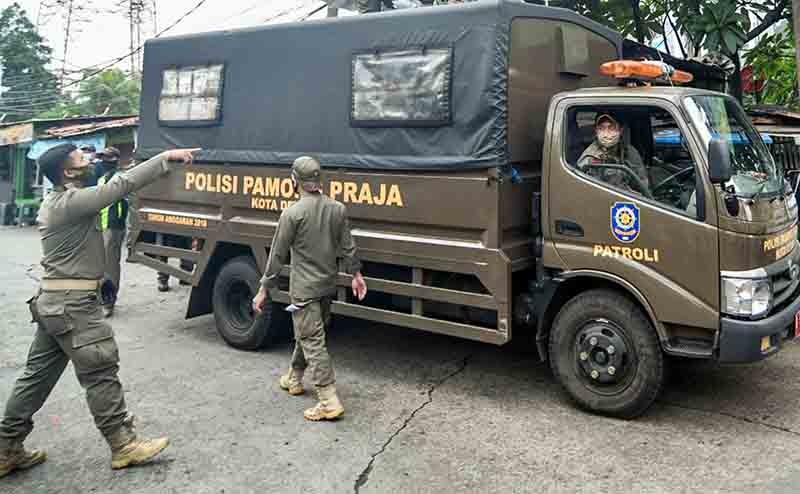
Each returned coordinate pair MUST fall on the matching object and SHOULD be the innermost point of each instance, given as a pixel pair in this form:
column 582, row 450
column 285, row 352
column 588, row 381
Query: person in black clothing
column 180, row 242
column 113, row 222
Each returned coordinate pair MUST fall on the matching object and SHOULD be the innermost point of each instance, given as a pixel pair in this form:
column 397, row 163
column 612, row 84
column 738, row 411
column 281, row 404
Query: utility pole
column 132, row 36
column 135, row 10
column 796, row 21
column 66, row 42
column 2, row 89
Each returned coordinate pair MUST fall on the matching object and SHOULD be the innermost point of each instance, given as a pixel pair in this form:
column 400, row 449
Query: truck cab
column 705, row 242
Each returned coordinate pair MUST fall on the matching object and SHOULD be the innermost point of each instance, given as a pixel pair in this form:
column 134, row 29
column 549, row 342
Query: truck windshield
column 754, row 172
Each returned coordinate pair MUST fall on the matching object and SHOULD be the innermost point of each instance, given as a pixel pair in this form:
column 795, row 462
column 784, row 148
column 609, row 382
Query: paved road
column 425, row 413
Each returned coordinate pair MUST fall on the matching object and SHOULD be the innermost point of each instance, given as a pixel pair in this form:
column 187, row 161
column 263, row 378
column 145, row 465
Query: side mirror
column 719, row 161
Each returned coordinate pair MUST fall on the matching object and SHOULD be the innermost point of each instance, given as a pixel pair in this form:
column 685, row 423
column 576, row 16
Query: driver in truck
column 608, row 148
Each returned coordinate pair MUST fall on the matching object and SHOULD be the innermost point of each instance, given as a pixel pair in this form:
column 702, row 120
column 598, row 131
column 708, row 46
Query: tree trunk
column 736, row 77
column 637, row 21
column 796, row 20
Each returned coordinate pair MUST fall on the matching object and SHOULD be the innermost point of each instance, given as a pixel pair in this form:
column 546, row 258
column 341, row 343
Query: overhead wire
column 116, row 60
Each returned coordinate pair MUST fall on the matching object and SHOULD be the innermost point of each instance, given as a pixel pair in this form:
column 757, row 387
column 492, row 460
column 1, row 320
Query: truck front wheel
column 606, row 355
column 234, row 288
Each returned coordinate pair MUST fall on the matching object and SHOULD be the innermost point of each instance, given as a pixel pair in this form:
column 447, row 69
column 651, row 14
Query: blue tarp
column 666, row 137
column 39, row 146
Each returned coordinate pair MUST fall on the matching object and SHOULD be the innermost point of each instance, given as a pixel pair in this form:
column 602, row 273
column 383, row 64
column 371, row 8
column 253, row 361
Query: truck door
column 634, row 212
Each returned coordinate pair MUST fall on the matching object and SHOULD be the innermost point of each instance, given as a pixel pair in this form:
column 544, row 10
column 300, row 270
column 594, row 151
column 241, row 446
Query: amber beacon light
column 646, row 70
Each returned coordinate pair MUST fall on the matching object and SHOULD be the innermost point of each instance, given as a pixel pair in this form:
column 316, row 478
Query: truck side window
column 639, row 150
column 191, row 95
column 408, row 87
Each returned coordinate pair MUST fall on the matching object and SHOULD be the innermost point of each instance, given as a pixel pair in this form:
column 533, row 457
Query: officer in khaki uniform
column 609, row 148
column 317, row 233
column 70, row 322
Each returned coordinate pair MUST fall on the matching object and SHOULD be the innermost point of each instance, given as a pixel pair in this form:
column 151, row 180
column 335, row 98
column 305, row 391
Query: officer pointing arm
column 71, row 327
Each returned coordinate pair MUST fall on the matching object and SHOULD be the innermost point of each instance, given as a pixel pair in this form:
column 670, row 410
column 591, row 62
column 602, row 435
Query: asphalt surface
column 425, row 413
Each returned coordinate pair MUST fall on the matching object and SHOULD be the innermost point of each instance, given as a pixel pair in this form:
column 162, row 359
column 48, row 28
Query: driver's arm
column 585, row 160
column 636, row 163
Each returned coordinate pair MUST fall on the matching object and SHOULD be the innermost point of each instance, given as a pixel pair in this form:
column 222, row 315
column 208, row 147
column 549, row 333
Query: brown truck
column 460, row 138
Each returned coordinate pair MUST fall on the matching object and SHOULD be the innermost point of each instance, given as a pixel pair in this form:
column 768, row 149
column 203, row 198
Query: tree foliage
column 775, row 63
column 30, row 86
column 110, row 92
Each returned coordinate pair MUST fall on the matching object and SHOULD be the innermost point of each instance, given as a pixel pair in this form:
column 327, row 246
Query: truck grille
column 784, row 284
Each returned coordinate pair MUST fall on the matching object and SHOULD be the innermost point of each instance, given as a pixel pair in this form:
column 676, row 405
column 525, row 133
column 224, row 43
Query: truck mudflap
column 750, row 341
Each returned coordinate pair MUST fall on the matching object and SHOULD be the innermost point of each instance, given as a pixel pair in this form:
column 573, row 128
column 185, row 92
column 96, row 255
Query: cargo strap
column 64, row 284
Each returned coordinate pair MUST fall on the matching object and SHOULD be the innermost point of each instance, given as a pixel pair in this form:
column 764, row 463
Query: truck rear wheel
column 237, row 283
column 606, row 355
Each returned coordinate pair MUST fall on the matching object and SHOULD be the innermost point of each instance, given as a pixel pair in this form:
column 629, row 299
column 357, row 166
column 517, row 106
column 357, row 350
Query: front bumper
column 740, row 341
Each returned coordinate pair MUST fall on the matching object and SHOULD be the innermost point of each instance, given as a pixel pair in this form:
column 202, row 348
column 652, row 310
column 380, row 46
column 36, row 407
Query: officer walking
column 317, row 233
column 71, row 325
column 113, row 220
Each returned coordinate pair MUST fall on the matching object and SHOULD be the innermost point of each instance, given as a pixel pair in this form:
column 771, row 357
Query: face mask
column 608, row 139
column 86, row 173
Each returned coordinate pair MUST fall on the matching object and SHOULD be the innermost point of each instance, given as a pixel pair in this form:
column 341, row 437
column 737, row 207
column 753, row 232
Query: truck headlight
column 746, row 297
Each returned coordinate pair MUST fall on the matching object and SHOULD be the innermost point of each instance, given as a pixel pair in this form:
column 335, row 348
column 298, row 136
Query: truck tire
column 234, row 288
column 605, row 354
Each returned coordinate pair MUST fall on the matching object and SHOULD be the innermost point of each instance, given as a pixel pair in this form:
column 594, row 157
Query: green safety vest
column 104, row 212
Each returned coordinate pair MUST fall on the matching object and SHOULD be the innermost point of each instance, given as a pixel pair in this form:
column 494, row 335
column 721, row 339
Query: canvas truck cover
column 413, row 89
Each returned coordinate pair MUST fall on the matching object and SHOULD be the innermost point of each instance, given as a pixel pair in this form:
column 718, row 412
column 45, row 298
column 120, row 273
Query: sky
column 106, row 36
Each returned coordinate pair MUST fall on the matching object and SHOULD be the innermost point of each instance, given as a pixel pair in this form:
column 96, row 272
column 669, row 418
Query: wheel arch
column 200, row 300
column 573, row 283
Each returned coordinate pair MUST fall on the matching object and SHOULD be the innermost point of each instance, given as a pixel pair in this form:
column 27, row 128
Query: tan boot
column 14, row 457
column 127, row 449
column 329, row 406
column 292, row 382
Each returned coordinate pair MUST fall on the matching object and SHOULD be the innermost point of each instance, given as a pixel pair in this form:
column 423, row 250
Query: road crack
column 733, row 416
column 363, row 477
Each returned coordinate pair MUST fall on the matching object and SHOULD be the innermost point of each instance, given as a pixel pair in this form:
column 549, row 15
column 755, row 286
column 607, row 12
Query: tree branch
column 675, row 31
column 666, row 40
column 677, row 36
column 771, row 18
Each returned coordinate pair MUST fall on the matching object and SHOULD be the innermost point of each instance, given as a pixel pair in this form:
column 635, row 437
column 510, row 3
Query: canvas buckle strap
column 67, row 284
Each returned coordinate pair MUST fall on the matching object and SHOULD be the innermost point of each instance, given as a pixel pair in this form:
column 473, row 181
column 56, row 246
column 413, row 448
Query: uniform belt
column 67, row 284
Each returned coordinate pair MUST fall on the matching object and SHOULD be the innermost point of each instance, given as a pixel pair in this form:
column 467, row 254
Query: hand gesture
column 184, row 155
column 260, row 301
column 359, row 286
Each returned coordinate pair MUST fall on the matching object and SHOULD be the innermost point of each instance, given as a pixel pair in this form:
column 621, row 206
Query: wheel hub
column 601, row 353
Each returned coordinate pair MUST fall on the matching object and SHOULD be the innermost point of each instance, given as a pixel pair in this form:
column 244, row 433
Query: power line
column 285, row 12
column 325, row 5
column 38, row 107
column 139, row 48
column 114, row 61
column 243, row 12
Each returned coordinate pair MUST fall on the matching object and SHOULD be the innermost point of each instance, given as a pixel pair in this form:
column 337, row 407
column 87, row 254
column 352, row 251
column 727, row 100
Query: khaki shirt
column 627, row 155
column 316, row 231
column 69, row 222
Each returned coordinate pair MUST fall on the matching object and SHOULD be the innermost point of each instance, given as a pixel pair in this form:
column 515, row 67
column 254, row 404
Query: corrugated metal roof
column 88, row 128
column 68, row 120
column 773, row 114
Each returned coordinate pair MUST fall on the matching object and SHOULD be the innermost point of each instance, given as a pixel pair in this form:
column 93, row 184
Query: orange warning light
column 630, row 69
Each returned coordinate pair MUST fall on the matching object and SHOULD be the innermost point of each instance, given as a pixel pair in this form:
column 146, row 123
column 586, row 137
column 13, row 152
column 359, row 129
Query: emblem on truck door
column 625, row 221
